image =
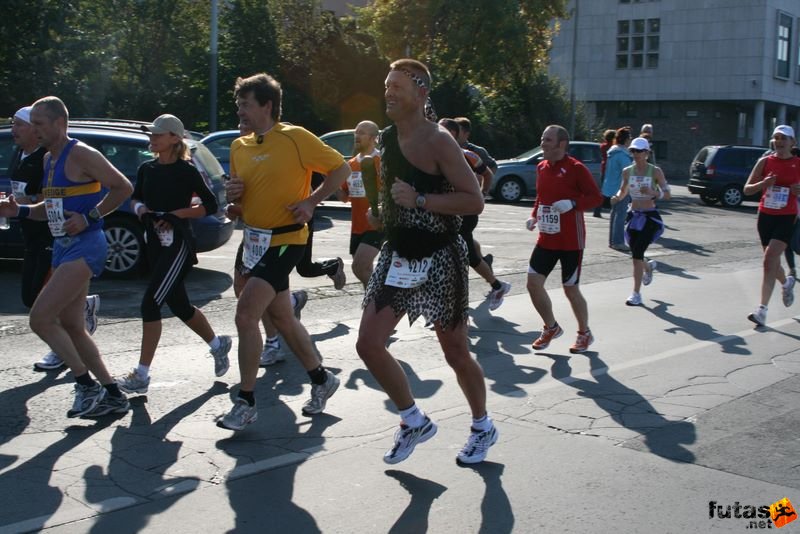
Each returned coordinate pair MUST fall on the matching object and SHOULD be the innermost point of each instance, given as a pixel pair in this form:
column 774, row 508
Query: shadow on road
column 628, row 408
column 494, row 340
column 276, row 432
column 423, row 492
column 496, row 512
column 698, row 330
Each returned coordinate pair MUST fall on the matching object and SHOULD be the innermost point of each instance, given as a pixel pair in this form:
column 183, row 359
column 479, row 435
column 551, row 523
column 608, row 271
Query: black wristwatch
column 420, row 201
column 94, row 215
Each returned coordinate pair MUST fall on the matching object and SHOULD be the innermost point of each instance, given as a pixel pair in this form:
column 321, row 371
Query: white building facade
column 701, row 71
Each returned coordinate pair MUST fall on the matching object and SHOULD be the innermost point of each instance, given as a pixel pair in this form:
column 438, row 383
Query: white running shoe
column 109, row 404
column 241, row 415
column 90, row 310
column 221, row 361
column 406, row 438
column 320, row 393
column 86, row 398
column 496, row 296
column 133, row 383
column 649, row 269
column 300, row 299
column 477, row 446
column 339, row 277
column 48, row 362
column 271, row 354
column 787, row 291
column 634, row 300
column 759, row 316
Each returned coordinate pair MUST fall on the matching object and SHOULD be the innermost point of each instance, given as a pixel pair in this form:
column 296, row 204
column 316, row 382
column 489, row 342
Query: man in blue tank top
column 73, row 206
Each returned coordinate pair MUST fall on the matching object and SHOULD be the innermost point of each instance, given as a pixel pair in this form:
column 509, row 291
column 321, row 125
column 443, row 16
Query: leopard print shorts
column 443, row 298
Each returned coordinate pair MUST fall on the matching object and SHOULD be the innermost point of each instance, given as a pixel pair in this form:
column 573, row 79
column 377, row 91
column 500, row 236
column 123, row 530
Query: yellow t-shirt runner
column 276, row 173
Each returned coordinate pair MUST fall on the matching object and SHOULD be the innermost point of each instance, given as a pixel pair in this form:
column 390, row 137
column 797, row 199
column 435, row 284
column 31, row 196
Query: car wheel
column 125, row 248
column 708, row 199
column 509, row 189
column 731, row 196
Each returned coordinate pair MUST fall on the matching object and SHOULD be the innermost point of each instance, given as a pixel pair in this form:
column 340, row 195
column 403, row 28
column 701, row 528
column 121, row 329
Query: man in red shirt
column 564, row 189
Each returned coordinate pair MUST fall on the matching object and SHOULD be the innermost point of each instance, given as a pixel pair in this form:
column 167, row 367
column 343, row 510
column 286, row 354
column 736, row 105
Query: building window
column 660, row 150
column 741, row 126
column 661, row 110
column 638, row 43
column 626, row 110
column 797, row 66
column 782, row 56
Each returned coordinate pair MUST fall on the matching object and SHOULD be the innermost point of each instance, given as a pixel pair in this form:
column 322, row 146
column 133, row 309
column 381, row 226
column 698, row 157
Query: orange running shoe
column 548, row 335
column 582, row 343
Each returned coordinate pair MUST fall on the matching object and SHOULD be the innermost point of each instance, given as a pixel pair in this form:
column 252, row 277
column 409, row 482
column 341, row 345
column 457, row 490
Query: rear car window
column 7, row 149
column 207, row 164
column 585, row 153
column 343, row 143
column 703, row 156
column 752, row 156
column 221, row 148
column 125, row 157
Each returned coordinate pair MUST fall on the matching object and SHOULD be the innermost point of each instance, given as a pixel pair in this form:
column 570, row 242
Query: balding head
column 365, row 137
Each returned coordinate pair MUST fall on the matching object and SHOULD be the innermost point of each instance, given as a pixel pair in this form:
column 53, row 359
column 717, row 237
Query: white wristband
column 136, row 207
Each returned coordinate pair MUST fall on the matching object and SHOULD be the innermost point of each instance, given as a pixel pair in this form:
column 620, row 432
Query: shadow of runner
column 26, row 488
column 698, row 330
column 280, row 444
column 15, row 419
column 423, row 492
column 628, row 408
column 685, row 246
column 140, row 458
column 496, row 512
column 496, row 340
column 421, row 389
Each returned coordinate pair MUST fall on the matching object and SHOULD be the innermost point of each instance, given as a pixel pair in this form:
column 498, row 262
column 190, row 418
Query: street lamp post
column 212, row 113
column 572, row 69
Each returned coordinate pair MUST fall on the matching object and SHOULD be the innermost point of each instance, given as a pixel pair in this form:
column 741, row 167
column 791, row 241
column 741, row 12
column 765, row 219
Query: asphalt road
column 680, row 404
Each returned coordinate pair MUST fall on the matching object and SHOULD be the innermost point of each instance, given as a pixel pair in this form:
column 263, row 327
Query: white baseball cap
column 24, row 114
column 640, row 143
column 785, row 130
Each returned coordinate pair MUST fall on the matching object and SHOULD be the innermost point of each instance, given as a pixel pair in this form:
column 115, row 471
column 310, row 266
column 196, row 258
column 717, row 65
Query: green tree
column 488, row 59
column 248, row 45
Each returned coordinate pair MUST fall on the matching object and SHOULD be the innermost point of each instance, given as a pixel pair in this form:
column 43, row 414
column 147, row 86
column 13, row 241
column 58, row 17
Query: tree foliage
column 488, row 59
column 139, row 58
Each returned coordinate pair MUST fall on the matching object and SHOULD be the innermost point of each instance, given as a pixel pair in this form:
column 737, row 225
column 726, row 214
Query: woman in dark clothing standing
column 162, row 199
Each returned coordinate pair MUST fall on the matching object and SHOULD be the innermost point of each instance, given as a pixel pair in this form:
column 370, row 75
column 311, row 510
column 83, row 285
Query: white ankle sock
column 413, row 416
column 143, row 370
column 482, row 424
column 214, row 343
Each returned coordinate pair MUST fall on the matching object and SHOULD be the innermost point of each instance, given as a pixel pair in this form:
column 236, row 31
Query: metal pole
column 212, row 114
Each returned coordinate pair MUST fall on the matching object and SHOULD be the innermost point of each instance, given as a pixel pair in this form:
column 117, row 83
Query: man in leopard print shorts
column 422, row 268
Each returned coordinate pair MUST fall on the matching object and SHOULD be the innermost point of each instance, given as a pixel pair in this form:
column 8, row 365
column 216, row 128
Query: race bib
column 18, row 188
column 165, row 236
column 549, row 221
column 256, row 244
column 407, row 273
column 776, row 197
column 355, row 184
column 635, row 185
column 55, row 216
